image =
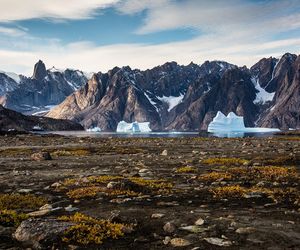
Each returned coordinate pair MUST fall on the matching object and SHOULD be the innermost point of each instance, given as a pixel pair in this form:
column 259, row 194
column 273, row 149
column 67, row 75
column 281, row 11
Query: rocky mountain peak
column 39, row 72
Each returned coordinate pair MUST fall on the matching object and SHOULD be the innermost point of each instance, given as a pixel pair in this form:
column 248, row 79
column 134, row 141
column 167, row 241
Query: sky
column 97, row 35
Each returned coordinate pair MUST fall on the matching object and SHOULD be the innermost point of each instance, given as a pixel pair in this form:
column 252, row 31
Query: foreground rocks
column 206, row 193
column 40, row 233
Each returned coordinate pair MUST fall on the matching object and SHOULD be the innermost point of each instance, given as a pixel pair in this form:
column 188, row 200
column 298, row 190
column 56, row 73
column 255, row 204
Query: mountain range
column 170, row 96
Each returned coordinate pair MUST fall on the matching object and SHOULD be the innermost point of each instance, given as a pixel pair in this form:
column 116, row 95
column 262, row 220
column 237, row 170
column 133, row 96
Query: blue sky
column 96, row 35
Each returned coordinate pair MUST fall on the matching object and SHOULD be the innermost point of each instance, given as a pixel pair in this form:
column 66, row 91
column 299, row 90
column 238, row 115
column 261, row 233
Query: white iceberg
column 135, row 127
column 95, row 129
column 233, row 123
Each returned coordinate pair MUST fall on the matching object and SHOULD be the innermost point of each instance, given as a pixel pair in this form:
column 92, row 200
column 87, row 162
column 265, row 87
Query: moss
column 10, row 218
column 224, row 161
column 156, row 185
column 93, row 185
column 215, row 176
column 89, row 230
column 226, row 192
column 85, row 192
column 19, row 201
column 9, row 152
column 187, row 169
column 71, row 152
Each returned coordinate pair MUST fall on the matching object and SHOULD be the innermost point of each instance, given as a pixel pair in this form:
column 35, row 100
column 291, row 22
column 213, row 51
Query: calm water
column 160, row 134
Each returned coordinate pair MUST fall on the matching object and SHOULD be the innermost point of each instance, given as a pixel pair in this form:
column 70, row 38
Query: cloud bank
column 238, row 31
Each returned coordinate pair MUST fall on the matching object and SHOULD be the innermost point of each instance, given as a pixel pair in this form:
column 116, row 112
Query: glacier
column 135, row 127
column 233, row 123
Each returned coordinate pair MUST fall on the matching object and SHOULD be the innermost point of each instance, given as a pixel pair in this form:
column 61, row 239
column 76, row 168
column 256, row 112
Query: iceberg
column 95, row 129
column 233, row 123
column 135, row 127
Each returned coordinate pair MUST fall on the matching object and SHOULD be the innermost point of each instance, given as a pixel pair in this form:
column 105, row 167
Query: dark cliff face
column 169, row 97
column 12, row 120
column 44, row 88
column 284, row 111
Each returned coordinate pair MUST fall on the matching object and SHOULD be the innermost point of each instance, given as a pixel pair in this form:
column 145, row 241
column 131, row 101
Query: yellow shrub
column 84, row 192
column 224, row 161
column 89, row 230
column 214, row 176
column 71, row 152
column 228, row 192
column 186, row 169
column 20, row 201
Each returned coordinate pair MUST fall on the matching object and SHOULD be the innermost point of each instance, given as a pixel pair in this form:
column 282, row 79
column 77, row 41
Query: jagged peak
column 39, row 72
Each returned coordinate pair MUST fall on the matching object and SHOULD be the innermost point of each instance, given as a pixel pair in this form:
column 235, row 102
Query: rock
column 253, row 195
column 164, row 153
column 218, row 242
column 25, row 190
column 169, row 227
column 46, row 206
column 40, row 233
column 193, row 229
column 39, row 213
column 199, row 222
column 112, row 185
column 70, row 208
column 245, row 230
column 179, row 242
column 167, row 240
column 157, row 216
column 56, row 185
column 41, row 156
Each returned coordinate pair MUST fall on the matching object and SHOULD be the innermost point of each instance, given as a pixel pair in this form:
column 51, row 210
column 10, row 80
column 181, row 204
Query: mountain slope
column 169, row 96
column 12, row 120
column 44, row 88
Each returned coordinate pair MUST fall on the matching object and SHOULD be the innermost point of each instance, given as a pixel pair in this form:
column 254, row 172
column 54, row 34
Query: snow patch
column 172, row 101
column 233, row 123
column 262, row 96
column 135, row 127
column 13, row 76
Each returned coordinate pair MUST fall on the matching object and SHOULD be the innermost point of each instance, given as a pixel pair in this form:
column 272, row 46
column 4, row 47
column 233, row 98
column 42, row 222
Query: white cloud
column 13, row 10
column 12, row 32
column 213, row 16
column 237, row 31
column 88, row 57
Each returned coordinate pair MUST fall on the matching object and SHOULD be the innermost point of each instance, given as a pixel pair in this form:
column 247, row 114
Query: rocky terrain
column 186, row 98
column 44, row 89
column 157, row 193
column 13, row 121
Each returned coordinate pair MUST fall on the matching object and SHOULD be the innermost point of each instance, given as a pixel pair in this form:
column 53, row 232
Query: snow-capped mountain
column 169, row 96
column 46, row 88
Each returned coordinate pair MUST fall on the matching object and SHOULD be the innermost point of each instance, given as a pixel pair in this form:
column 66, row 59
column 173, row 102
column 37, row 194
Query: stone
column 157, row 216
column 112, row 185
column 199, row 222
column 164, row 153
column 179, row 242
column 36, row 232
column 167, row 240
column 70, row 208
column 25, row 190
column 218, row 242
column 245, row 230
column 193, row 229
column 41, row 156
column 39, row 213
column 169, row 227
